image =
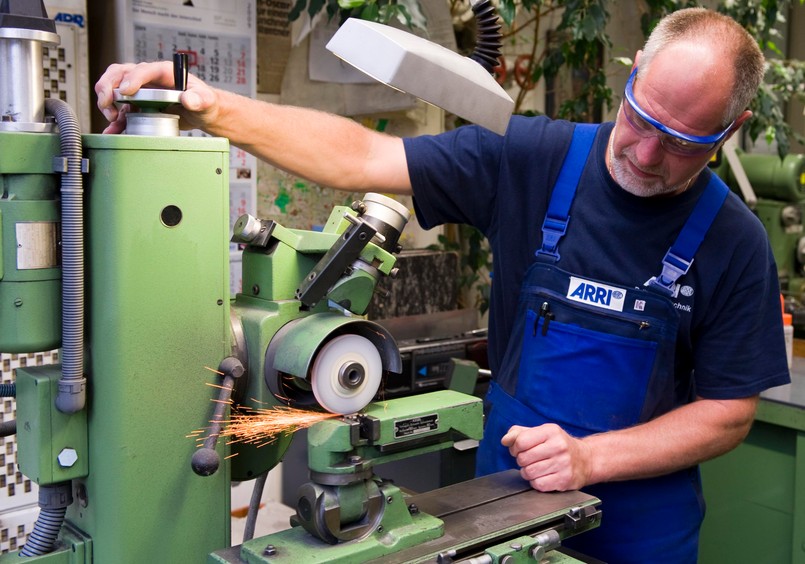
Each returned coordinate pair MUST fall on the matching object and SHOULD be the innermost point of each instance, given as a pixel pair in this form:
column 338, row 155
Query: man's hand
column 549, row 458
column 199, row 101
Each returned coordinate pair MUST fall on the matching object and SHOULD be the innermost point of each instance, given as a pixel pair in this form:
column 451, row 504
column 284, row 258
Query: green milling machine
column 115, row 249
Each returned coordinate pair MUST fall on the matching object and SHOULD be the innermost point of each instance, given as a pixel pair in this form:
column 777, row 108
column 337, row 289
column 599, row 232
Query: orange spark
column 264, row 426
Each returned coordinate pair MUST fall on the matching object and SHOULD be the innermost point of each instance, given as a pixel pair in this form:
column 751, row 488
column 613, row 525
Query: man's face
column 669, row 123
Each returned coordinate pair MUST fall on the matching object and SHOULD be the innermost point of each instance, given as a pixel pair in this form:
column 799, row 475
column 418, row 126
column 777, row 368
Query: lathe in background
column 778, row 198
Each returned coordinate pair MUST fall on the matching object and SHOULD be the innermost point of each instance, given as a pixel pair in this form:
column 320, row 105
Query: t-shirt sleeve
column 455, row 176
column 740, row 347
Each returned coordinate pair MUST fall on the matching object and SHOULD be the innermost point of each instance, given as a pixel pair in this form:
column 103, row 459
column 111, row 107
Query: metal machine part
column 311, row 361
column 151, row 120
column 380, row 220
column 24, row 30
column 480, row 521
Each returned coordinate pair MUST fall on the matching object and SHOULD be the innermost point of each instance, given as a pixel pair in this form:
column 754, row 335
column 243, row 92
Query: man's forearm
column 682, row 438
column 331, row 150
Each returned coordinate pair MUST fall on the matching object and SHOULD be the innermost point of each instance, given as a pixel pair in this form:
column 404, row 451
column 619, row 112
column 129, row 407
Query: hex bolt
column 413, row 509
column 67, row 457
column 270, row 550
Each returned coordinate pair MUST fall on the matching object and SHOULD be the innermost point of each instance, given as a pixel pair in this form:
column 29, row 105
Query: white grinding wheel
column 346, row 374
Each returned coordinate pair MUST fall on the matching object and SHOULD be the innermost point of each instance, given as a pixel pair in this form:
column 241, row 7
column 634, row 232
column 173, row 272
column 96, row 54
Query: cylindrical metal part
column 152, row 123
column 22, row 90
column 387, row 216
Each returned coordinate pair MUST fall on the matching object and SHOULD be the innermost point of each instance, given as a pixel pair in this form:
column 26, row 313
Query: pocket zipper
column 546, row 313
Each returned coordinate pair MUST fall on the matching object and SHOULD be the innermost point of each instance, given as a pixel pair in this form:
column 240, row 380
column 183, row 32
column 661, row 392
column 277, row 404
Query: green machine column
column 158, row 323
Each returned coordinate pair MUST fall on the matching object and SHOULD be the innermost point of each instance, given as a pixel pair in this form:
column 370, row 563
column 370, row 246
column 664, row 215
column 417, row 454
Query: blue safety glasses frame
column 673, row 141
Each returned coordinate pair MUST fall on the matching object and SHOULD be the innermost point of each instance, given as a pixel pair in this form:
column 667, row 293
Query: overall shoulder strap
column 555, row 224
column 679, row 257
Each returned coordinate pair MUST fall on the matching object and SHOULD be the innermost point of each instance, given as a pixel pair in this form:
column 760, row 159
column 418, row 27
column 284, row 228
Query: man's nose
column 649, row 151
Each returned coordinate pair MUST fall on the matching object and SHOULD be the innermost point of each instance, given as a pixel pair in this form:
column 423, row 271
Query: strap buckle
column 552, row 231
column 673, row 267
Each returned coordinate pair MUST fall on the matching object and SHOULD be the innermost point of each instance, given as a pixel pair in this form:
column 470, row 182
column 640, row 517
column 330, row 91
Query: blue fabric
column 603, row 350
column 727, row 298
column 680, row 256
column 655, row 520
column 730, row 330
column 555, row 223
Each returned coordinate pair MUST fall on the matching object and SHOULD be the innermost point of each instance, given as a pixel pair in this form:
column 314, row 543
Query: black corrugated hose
column 489, row 41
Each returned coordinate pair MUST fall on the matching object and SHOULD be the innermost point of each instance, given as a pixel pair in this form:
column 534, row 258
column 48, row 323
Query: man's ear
column 738, row 123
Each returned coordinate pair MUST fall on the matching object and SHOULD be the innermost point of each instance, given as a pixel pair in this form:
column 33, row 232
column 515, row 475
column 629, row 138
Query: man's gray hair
column 698, row 24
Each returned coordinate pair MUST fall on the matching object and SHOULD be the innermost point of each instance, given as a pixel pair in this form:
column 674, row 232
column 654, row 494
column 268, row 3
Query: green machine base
column 496, row 518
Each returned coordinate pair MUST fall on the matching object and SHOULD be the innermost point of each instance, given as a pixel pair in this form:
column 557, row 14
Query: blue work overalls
column 592, row 357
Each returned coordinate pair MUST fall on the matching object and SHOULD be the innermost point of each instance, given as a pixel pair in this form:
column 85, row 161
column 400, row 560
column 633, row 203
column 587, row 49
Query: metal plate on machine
column 37, row 245
column 415, row 425
column 486, row 511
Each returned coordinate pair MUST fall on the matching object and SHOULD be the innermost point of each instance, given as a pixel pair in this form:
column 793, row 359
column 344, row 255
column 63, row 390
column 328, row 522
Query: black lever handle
column 205, row 460
column 180, row 71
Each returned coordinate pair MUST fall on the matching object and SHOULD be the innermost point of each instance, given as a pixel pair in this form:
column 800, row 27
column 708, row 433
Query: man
column 623, row 363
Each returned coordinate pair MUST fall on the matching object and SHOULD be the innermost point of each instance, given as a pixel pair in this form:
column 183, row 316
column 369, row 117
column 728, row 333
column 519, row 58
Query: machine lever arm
column 206, row 460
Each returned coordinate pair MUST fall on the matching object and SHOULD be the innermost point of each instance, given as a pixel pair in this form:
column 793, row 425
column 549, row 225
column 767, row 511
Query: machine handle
column 206, row 460
column 180, row 71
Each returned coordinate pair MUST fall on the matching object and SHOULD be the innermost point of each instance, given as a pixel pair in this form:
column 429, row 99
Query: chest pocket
column 592, row 369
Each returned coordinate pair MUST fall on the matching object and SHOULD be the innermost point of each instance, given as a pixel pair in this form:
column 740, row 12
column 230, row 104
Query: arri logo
column 596, row 294
column 75, row 19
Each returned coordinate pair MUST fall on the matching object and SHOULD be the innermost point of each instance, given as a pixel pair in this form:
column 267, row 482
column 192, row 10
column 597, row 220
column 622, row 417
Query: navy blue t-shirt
column 731, row 333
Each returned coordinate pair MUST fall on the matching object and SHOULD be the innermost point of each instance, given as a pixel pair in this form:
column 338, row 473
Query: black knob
column 180, row 71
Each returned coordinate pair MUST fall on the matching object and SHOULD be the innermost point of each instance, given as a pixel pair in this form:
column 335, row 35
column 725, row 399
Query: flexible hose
column 8, row 390
column 72, row 394
column 488, row 42
column 46, row 529
column 71, row 397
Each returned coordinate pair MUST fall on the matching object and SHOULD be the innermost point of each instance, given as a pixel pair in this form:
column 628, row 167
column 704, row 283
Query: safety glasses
column 671, row 140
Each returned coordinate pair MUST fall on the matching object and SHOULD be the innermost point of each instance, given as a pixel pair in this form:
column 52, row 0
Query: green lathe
column 115, row 249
